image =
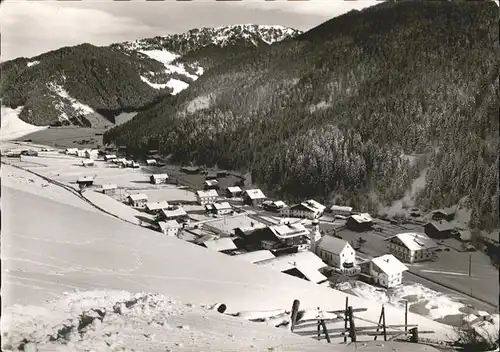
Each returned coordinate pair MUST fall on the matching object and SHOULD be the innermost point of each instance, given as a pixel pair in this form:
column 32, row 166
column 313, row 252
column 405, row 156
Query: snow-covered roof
column 207, row 193
column 288, row 231
column 85, row 179
column 256, row 256
column 157, row 205
column 110, row 156
column 279, row 204
column 151, row 161
column 159, row 176
column 169, row 224
column 221, row 244
column 311, row 203
column 389, row 264
column 234, row 189
column 415, row 240
column 362, row 218
column 88, row 161
column 446, row 211
column 307, row 263
column 340, row 208
column 108, row 186
column 211, row 182
column 173, row 212
column 332, row 244
column 442, row 225
column 222, row 206
column 138, row 196
column 255, row 193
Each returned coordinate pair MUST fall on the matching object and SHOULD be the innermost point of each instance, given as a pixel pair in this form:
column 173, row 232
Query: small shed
column 233, row 192
column 137, row 200
column 85, row 181
column 158, row 178
column 341, row 210
column 151, row 162
column 211, row 184
column 156, row 207
column 87, row 162
column 441, row 229
column 109, row 188
column 359, row 222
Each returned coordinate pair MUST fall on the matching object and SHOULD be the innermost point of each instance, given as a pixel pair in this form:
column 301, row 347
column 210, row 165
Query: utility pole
column 470, row 264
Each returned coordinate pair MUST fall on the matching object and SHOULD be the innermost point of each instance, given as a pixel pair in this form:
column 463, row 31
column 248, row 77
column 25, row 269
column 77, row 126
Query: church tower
column 315, row 235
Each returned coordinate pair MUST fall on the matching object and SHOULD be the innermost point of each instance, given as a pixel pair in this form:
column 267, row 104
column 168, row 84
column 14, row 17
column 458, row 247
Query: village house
column 305, row 265
column 223, row 208
column 151, row 162
column 85, row 181
column 158, row 178
column 274, row 238
column 387, row 271
column 170, row 227
column 177, row 213
column 310, row 209
column 256, row 256
column 412, row 247
column 222, row 174
column 447, row 214
column 275, row 206
column 340, row 210
column 155, row 207
column 253, row 197
column 135, row 165
column 224, row 245
column 71, row 151
column 87, row 163
column 359, row 222
column 137, row 200
column 211, row 184
column 81, row 153
column 190, row 170
column 206, row 197
column 91, row 153
column 337, row 253
column 109, row 157
column 440, row 230
column 109, row 189
column 233, row 192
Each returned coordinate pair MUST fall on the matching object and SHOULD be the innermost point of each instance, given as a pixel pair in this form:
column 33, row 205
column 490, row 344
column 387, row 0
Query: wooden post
column 295, row 310
column 352, row 328
column 406, row 316
column 379, row 322
column 325, row 331
column 319, row 329
column 414, row 335
column 470, row 264
column 383, row 322
column 345, row 316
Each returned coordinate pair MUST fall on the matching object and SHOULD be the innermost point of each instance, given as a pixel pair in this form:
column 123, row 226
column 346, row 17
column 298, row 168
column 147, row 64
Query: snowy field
column 64, row 248
column 121, row 321
column 169, row 193
column 13, row 127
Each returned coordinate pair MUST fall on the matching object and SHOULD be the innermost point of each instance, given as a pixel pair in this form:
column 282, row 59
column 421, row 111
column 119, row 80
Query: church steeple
column 315, row 235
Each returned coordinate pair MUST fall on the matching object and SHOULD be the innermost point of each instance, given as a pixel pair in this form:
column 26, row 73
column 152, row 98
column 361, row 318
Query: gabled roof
column 256, row 256
column 332, row 244
column 442, row 226
column 138, row 196
column 169, row 224
column 255, row 193
column 110, row 156
column 150, row 161
column 211, row 182
column 157, row 205
column 221, row 244
column 234, row 189
column 389, row 264
column 208, row 193
column 362, row 218
column 415, row 240
column 279, row 204
column 288, row 231
column 174, row 212
column 446, row 211
column 108, row 186
column 340, row 208
column 160, row 176
column 85, row 179
column 311, row 203
column 222, row 206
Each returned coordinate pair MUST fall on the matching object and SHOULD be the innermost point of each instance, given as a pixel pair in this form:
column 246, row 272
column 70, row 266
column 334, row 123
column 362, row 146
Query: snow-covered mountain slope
column 63, row 248
column 13, row 127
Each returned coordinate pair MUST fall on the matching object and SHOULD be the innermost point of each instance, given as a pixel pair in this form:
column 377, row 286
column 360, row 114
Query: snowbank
column 13, row 127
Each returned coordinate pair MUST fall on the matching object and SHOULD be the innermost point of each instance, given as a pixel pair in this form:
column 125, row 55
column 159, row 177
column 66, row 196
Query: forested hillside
column 351, row 111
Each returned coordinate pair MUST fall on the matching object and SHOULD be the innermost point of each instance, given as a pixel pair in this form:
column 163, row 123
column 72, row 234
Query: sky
column 29, row 28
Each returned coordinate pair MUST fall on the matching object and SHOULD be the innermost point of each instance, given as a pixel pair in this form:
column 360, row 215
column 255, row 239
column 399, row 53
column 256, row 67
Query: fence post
column 414, row 335
column 383, row 322
column 379, row 322
column 345, row 316
column 352, row 328
column 325, row 330
column 293, row 317
column 406, row 316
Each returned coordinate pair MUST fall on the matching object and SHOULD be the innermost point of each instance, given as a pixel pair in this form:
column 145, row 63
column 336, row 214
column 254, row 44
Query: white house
column 158, row 178
column 91, row 153
column 253, row 197
column 337, row 253
column 81, row 152
column 387, row 271
column 341, row 210
column 412, row 247
column 219, row 208
column 137, row 200
column 86, row 163
column 109, row 188
column 154, row 207
column 71, row 151
column 151, row 162
column 170, row 227
column 309, row 209
column 359, row 222
column 109, row 157
column 206, row 197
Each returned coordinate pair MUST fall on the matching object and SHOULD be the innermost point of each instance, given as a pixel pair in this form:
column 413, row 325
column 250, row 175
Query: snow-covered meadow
column 13, row 127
